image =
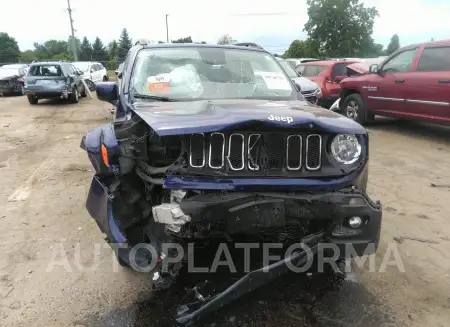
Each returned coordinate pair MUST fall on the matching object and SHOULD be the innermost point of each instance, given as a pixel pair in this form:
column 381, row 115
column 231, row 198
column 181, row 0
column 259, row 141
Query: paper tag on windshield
column 276, row 81
column 158, row 83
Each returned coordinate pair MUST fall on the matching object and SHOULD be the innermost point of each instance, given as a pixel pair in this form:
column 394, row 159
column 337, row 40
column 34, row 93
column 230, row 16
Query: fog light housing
column 355, row 222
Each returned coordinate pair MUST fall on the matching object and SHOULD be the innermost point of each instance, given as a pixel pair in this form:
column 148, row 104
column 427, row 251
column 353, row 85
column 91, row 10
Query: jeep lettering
column 281, row 118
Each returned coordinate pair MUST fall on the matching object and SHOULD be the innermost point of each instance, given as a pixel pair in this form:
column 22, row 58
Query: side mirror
column 92, row 70
column 374, row 69
column 298, row 87
column 339, row 78
column 107, row 91
column 116, row 72
column 119, row 75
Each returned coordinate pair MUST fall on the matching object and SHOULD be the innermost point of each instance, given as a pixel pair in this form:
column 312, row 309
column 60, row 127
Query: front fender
column 96, row 140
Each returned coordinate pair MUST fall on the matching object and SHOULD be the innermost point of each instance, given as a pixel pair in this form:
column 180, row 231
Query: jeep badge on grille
column 281, row 118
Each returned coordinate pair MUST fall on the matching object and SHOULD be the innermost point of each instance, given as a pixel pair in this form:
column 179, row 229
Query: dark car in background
column 327, row 74
column 54, row 79
column 11, row 78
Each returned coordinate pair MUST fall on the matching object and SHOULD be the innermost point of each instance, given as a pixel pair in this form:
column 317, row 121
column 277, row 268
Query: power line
column 74, row 44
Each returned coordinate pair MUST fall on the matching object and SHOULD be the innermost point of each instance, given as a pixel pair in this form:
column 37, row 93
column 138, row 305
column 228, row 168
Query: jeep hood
column 174, row 118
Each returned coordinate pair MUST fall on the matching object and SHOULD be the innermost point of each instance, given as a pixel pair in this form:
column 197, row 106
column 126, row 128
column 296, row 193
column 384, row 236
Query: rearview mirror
column 107, row 91
column 373, row 68
column 339, row 78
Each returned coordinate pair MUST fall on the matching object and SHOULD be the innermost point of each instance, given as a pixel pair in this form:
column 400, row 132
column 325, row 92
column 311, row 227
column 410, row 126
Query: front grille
column 261, row 153
column 309, row 96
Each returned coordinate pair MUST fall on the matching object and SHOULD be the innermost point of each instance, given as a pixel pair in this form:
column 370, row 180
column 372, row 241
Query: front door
column 386, row 90
column 428, row 89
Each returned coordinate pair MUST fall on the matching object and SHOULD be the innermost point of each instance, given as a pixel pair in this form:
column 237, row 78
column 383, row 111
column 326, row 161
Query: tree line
column 113, row 53
column 335, row 28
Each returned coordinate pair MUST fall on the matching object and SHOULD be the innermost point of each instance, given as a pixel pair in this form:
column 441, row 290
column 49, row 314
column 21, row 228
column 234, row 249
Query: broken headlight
column 346, row 148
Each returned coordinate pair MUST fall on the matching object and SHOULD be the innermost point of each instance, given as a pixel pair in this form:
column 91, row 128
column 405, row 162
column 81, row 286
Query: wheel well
column 346, row 92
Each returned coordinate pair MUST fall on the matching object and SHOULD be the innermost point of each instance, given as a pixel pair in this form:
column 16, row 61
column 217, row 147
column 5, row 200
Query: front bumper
column 9, row 88
column 327, row 101
column 312, row 96
column 334, row 207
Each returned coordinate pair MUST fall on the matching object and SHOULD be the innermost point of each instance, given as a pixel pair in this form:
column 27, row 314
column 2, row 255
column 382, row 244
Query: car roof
column 199, row 45
column 327, row 62
column 49, row 63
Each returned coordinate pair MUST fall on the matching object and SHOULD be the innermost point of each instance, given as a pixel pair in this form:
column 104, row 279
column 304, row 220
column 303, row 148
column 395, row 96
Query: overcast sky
column 273, row 24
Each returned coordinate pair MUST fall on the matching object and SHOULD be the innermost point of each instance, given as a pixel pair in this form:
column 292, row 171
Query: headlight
column 345, row 148
column 318, row 92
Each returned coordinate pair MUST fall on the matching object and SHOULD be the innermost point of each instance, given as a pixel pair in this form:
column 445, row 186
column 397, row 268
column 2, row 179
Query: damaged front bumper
column 242, row 210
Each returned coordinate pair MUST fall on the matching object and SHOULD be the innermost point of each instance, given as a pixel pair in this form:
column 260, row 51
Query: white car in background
column 310, row 90
column 92, row 71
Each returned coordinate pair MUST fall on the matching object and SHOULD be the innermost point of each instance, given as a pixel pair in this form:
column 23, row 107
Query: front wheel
column 90, row 85
column 33, row 100
column 355, row 108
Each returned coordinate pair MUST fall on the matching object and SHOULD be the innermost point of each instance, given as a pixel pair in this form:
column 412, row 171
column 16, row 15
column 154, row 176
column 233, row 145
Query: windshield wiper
column 153, row 97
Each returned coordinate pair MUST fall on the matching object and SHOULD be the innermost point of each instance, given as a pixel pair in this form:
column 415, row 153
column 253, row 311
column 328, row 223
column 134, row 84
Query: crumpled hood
column 7, row 76
column 174, row 118
column 306, row 84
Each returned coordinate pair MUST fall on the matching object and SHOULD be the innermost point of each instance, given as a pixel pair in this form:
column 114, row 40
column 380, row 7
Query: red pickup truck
column 412, row 83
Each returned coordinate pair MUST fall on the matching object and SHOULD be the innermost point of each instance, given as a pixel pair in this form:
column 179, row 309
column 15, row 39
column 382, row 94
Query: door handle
column 444, row 81
column 399, row 81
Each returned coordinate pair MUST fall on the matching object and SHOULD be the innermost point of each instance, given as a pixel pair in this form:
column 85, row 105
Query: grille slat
column 294, row 152
column 236, row 148
column 197, row 156
column 313, row 151
column 262, row 153
column 216, row 158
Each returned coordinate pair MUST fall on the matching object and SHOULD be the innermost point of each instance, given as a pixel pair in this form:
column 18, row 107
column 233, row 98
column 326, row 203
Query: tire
column 21, row 91
column 90, row 84
column 84, row 93
column 74, row 98
column 354, row 107
column 33, row 100
column 122, row 262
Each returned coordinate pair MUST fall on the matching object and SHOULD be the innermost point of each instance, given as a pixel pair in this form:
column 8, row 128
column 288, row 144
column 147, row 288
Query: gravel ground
column 55, row 271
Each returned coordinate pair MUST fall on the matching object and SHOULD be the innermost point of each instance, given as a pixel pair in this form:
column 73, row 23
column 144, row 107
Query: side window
column 70, row 69
column 73, row 69
column 313, row 70
column 339, row 70
column 126, row 63
column 401, row 63
column 300, row 69
column 94, row 67
column 434, row 59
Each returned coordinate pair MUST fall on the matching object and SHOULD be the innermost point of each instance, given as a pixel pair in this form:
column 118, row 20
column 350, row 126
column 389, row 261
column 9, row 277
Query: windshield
column 83, row 66
column 209, row 73
column 288, row 69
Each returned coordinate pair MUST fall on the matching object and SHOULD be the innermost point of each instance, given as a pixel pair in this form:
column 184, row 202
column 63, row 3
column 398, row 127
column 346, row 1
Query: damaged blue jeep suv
column 216, row 142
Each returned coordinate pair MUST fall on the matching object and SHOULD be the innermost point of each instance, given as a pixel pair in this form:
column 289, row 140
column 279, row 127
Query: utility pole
column 167, row 28
column 74, row 41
